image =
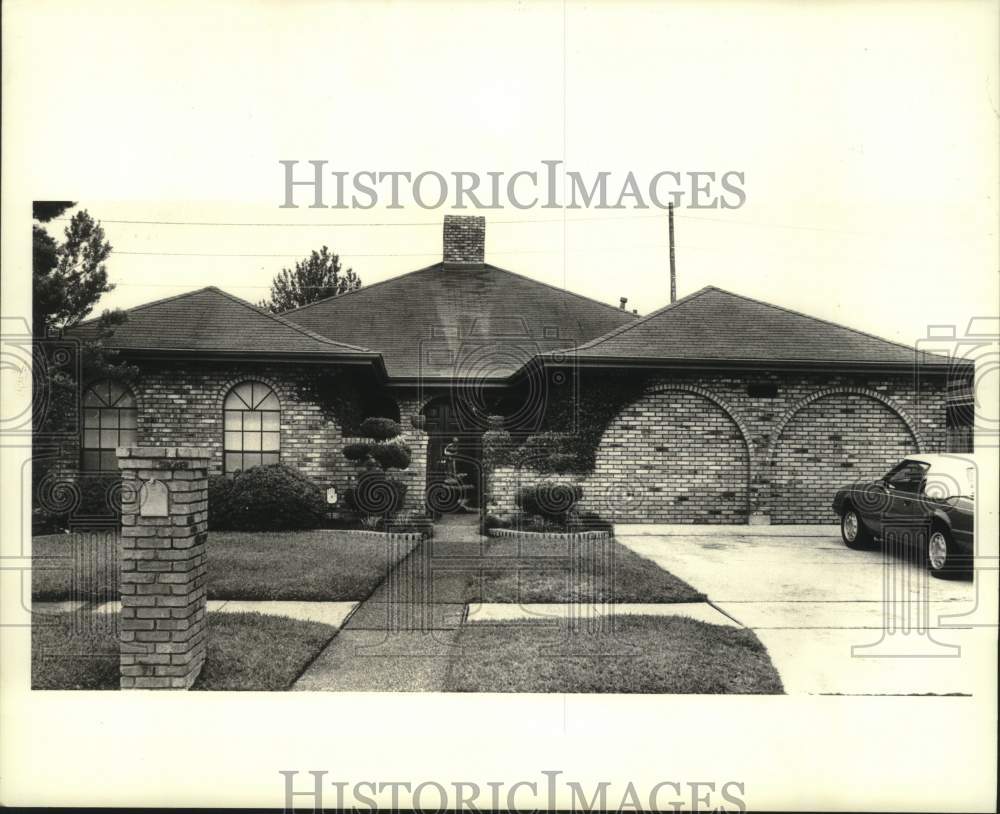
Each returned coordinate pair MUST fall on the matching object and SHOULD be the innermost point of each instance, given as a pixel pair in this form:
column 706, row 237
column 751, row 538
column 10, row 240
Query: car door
column 905, row 484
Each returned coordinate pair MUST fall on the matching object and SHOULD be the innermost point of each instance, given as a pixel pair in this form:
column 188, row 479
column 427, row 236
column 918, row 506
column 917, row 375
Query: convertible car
column 924, row 499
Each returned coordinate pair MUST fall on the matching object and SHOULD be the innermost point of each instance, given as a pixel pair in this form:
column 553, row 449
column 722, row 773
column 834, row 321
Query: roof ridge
column 148, row 304
column 824, row 321
column 565, row 291
column 287, row 323
column 621, row 329
column 359, row 289
column 629, row 325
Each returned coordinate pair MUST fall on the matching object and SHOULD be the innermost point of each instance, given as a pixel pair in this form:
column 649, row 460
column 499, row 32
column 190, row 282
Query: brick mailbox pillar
column 164, row 534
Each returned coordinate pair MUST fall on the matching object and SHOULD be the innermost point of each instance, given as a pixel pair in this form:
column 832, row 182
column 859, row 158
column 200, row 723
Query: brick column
column 164, row 522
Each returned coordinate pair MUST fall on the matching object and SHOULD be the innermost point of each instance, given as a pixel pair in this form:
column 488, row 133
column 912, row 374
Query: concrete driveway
column 834, row 620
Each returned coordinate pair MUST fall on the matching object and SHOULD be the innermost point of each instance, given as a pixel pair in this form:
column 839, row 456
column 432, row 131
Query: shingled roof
column 210, row 321
column 716, row 326
column 479, row 322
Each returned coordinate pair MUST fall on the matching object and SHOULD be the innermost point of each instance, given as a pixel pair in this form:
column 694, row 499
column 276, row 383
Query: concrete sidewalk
column 401, row 638
column 328, row 613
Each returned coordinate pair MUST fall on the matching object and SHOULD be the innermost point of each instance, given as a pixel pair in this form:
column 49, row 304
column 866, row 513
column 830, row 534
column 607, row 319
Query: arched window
column 252, row 422
column 109, row 420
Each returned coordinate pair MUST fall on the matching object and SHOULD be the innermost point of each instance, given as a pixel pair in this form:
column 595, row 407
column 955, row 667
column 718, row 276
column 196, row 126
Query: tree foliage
column 317, row 277
column 70, row 277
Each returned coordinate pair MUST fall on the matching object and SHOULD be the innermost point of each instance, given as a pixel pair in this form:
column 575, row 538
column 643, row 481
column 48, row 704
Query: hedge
column 274, row 497
column 552, row 500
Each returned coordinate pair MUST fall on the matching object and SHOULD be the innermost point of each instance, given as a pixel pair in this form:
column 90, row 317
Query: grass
column 641, row 654
column 321, row 566
column 246, row 651
column 311, row 566
column 250, row 651
column 75, row 566
column 601, row 571
column 73, row 652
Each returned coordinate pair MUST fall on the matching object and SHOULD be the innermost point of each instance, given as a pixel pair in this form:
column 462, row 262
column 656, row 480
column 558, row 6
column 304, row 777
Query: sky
column 866, row 134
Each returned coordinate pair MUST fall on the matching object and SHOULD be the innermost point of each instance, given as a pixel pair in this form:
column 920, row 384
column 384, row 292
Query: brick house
column 714, row 409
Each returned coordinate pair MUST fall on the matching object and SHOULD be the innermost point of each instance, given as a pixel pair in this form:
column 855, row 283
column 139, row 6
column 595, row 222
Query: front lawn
column 246, row 651
column 601, row 571
column 321, row 565
column 81, row 566
column 639, row 654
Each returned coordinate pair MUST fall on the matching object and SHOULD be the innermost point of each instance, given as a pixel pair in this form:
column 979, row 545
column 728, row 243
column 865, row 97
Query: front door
column 454, row 461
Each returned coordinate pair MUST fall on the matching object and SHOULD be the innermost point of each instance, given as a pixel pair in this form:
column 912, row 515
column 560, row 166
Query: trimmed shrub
column 100, row 495
column 56, row 501
column 545, row 452
column 357, row 452
column 375, row 496
column 380, row 429
column 551, row 500
column 394, row 455
column 274, row 497
column 220, row 490
column 497, row 448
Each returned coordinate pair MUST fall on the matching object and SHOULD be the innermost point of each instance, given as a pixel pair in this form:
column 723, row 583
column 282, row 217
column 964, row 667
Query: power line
column 348, row 255
column 562, row 220
column 356, row 223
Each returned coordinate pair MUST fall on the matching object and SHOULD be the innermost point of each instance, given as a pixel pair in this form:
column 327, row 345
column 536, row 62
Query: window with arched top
column 251, row 423
column 109, row 421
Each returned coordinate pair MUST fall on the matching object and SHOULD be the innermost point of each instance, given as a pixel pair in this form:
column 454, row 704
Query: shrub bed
column 274, row 497
column 548, row 506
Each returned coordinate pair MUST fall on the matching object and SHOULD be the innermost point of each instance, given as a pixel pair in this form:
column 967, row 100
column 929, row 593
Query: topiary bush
column 274, row 497
column 380, row 429
column 375, row 496
column 393, row 455
column 551, row 500
column 357, row 452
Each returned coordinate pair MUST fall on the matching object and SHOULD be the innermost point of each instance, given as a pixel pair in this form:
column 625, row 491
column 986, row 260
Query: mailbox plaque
column 153, row 497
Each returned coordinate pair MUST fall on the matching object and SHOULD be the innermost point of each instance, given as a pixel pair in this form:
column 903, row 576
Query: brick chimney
column 464, row 241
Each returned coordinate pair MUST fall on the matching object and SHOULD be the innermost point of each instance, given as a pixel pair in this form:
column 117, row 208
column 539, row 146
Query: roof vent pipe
column 622, row 302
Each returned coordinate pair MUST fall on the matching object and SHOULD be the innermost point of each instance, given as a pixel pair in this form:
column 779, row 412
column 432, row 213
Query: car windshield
column 951, row 479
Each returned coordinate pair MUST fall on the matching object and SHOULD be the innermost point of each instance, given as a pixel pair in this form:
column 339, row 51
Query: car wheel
column 942, row 559
column 852, row 529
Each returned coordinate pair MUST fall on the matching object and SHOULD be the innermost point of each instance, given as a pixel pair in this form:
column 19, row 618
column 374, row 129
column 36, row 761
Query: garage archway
column 830, row 440
column 675, row 455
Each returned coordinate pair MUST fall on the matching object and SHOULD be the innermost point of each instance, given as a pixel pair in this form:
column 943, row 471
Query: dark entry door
column 443, row 430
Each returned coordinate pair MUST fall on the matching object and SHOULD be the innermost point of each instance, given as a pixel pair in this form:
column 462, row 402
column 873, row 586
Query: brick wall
column 699, row 448
column 181, row 405
column 672, row 454
column 699, row 436
column 832, row 441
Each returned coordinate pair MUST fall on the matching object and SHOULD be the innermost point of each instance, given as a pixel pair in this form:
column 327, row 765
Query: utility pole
column 673, row 268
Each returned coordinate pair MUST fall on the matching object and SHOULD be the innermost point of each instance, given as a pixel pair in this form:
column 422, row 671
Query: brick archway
column 701, row 471
column 828, row 439
column 836, row 391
